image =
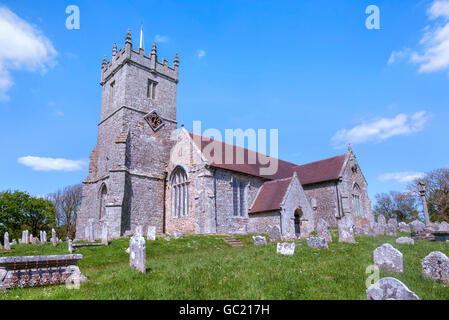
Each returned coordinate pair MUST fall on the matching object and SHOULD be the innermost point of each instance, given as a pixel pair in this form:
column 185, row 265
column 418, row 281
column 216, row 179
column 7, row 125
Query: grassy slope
column 205, row 267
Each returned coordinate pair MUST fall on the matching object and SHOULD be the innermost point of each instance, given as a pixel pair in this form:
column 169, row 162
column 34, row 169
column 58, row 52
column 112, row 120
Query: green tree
column 39, row 215
column 437, row 194
column 401, row 206
column 12, row 212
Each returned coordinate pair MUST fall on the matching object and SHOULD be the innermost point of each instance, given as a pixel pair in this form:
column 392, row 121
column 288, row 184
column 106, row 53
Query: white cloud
column 434, row 55
column 399, row 55
column 201, row 54
column 160, row 38
column 23, row 47
column 381, row 129
column 52, row 164
column 401, row 177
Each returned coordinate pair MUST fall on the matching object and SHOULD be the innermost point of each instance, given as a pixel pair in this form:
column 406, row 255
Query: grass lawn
column 205, row 267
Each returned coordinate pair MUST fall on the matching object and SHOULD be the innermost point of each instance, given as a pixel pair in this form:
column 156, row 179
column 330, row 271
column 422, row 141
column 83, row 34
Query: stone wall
column 325, row 195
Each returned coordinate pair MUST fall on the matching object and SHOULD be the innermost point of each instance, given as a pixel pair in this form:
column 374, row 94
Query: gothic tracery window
column 356, row 207
column 179, row 193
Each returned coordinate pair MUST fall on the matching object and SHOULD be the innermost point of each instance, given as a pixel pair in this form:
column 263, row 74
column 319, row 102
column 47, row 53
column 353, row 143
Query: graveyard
column 207, row 267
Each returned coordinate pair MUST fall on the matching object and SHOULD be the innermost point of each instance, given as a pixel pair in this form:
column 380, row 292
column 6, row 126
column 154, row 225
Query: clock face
column 154, row 120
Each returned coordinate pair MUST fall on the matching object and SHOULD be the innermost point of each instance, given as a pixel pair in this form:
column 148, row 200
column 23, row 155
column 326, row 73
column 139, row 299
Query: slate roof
column 315, row 172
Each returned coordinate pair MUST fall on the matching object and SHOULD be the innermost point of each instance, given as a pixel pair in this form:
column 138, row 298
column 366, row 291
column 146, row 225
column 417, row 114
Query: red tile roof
column 270, row 196
column 315, row 172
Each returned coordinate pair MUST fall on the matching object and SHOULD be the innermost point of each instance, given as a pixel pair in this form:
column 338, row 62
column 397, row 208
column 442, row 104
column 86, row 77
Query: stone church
column 145, row 171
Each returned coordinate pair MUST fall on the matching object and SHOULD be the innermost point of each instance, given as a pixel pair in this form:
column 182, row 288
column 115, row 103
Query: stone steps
column 234, row 242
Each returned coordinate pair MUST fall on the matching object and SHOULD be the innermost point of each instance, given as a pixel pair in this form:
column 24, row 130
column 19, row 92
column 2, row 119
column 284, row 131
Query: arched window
column 103, row 193
column 356, row 200
column 239, row 197
column 179, row 193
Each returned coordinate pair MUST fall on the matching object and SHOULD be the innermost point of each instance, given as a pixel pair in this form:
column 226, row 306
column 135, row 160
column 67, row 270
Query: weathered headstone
column 177, row 235
column 390, row 289
column 6, row 241
column 444, row 226
column 405, row 240
column 286, row 248
column 139, row 230
column 436, row 267
column 151, row 233
column 388, row 258
column 70, row 247
column 366, row 230
column 273, row 233
column 259, row 241
column 346, row 230
column 390, row 230
column 91, row 231
column 404, row 227
column 53, row 237
column 417, row 226
column 381, row 219
column 14, row 242
column 317, row 243
column 105, row 235
column 137, row 252
column 322, row 230
column 393, row 222
column 379, row 229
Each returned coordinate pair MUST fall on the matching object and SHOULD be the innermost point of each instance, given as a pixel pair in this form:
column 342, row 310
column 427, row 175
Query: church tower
column 125, row 187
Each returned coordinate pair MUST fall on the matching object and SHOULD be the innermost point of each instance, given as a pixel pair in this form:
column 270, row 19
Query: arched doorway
column 298, row 216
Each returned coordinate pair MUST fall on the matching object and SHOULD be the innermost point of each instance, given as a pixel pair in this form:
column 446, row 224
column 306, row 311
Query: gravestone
column 381, row 220
column 366, row 230
column 393, row 222
column 105, row 235
column 436, row 267
column 70, row 246
column 405, row 240
column 322, row 230
column 177, row 235
column 53, row 237
column 287, row 249
column 14, row 242
column 346, row 230
column 417, row 226
column 379, row 229
column 6, row 241
column 137, row 252
column 273, row 233
column 317, row 243
column 151, row 233
column 444, row 226
column 259, row 241
column 404, row 227
column 390, row 289
column 388, row 258
column 390, row 230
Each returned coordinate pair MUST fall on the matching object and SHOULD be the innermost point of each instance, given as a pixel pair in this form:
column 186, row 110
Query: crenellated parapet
column 148, row 62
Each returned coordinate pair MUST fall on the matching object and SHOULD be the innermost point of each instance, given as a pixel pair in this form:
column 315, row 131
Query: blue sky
column 308, row 68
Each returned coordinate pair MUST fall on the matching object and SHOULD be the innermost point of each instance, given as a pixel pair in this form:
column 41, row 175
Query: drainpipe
column 215, row 200
column 164, row 206
column 338, row 201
